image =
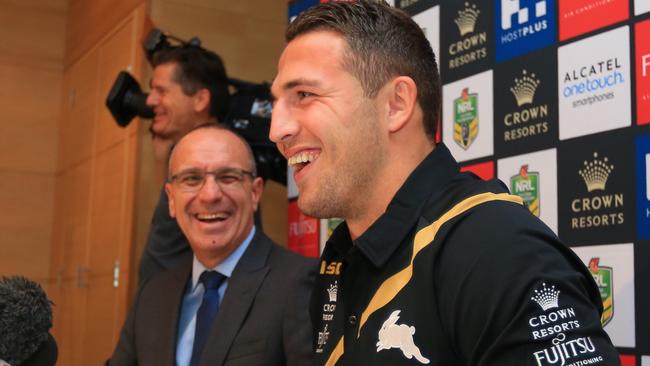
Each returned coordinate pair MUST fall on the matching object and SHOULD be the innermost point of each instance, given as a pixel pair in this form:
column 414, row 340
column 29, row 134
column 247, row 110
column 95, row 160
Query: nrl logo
column 400, row 336
column 604, row 279
column 526, row 185
column 524, row 89
column 466, row 119
column 466, row 20
column 595, row 173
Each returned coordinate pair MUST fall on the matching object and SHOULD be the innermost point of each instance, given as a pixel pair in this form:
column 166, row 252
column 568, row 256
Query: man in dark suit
column 260, row 298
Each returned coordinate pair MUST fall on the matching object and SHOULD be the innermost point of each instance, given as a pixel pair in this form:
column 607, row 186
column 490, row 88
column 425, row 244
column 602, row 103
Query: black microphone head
column 45, row 355
column 25, row 319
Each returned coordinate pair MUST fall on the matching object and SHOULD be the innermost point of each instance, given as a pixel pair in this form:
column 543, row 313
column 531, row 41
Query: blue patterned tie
column 211, row 281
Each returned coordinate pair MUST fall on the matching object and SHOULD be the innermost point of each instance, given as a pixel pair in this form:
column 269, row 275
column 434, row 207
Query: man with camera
column 189, row 88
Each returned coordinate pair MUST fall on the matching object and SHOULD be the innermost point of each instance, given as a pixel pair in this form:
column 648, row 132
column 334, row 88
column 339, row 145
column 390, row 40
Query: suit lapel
column 171, row 309
column 242, row 288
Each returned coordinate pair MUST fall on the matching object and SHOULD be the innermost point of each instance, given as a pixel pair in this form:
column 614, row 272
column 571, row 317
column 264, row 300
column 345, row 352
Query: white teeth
column 213, row 216
column 305, row 157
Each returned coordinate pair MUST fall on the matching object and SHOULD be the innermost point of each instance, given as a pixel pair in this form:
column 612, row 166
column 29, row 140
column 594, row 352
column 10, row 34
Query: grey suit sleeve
column 297, row 329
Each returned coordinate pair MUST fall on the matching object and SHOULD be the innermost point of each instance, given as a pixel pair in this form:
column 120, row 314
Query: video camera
column 249, row 110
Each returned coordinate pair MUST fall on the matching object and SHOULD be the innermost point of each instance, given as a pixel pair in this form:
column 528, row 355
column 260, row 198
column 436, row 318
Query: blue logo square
column 523, row 26
column 297, row 7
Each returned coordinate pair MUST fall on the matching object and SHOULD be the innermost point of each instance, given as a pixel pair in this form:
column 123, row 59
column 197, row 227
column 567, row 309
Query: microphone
column 25, row 321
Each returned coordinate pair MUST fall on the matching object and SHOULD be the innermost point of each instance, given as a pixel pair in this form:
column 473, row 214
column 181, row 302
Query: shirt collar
column 388, row 232
column 227, row 266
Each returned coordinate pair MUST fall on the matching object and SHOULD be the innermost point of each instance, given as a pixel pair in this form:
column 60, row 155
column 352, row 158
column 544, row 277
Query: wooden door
column 94, row 203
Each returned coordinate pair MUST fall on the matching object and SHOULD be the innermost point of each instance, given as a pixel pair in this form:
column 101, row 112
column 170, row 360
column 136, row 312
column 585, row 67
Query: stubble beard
column 345, row 190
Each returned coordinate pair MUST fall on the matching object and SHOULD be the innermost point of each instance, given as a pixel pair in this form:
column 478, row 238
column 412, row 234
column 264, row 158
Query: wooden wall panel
column 79, row 109
column 101, row 309
column 248, row 35
column 68, row 330
column 72, row 207
column 90, row 21
column 95, row 185
column 254, row 9
column 274, row 207
column 106, row 231
column 107, row 212
column 71, row 221
column 29, row 114
column 121, row 51
column 33, row 33
column 31, row 57
column 26, row 223
column 69, row 249
column 117, row 54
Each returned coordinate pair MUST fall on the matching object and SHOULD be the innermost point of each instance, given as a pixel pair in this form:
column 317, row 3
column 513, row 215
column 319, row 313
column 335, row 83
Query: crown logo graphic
column 466, row 19
column 595, row 173
column 546, row 298
column 524, row 89
column 332, row 291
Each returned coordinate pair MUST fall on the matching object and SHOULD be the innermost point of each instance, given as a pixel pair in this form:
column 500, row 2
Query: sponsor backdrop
column 553, row 98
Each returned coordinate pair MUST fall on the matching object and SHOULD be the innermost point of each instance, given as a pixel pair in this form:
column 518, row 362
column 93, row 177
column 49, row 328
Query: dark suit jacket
column 263, row 318
column 166, row 245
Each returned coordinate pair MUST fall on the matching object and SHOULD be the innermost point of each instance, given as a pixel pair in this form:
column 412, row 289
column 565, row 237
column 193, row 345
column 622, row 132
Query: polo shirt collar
column 388, row 232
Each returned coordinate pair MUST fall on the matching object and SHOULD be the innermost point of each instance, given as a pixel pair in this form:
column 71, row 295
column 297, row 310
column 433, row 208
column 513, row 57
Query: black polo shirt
column 455, row 272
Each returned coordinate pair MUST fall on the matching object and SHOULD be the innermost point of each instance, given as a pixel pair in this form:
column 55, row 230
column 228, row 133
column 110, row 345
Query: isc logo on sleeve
column 331, row 268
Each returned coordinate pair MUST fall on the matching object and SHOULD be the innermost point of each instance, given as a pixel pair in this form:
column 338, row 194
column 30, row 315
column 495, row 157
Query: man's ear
column 256, row 191
column 170, row 200
column 402, row 99
column 201, row 100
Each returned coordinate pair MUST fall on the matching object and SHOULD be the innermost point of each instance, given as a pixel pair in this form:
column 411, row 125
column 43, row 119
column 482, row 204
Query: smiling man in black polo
column 431, row 266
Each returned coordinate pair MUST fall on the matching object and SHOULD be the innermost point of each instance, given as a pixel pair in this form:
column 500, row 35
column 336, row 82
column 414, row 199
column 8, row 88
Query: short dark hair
column 382, row 42
column 197, row 68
